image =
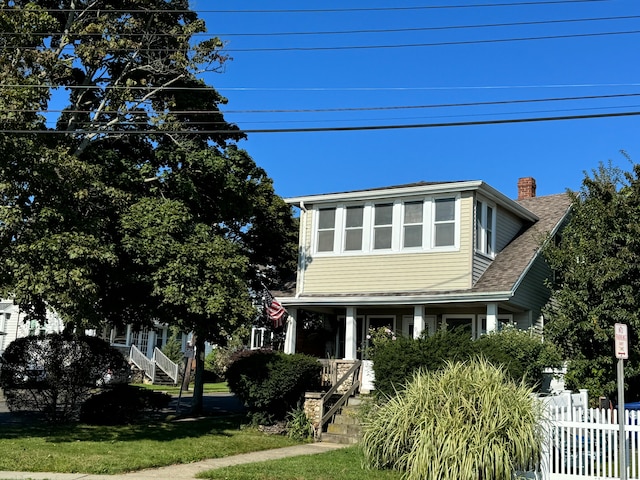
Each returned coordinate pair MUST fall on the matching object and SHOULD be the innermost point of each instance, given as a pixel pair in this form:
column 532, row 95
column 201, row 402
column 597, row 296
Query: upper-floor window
column 445, row 222
column 353, row 228
column 402, row 225
column 485, row 228
column 326, row 229
column 383, row 226
column 413, row 224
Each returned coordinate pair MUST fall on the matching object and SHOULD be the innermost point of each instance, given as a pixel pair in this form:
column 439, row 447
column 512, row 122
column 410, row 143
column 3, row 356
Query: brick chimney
column 526, row 188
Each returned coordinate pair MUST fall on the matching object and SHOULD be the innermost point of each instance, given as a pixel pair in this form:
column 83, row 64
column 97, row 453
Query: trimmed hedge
column 271, row 384
column 522, row 355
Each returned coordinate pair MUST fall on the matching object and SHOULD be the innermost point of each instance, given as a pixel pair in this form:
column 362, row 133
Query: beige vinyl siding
column 507, row 227
column 395, row 272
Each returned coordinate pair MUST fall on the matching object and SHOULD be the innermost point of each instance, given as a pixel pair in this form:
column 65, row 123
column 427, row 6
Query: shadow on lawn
column 157, row 431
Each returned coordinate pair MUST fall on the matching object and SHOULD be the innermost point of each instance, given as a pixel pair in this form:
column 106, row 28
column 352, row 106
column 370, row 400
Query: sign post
column 622, row 353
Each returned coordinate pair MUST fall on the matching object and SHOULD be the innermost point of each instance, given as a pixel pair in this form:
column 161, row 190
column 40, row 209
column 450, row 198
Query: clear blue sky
column 470, row 65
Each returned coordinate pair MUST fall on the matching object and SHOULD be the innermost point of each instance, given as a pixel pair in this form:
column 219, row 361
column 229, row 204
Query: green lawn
column 208, row 388
column 343, row 464
column 109, row 450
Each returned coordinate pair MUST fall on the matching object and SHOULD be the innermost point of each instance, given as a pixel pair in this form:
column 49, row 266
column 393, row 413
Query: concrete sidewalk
column 184, row 471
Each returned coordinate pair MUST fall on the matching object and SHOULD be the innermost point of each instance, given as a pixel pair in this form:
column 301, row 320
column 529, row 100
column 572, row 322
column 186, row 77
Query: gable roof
column 509, row 266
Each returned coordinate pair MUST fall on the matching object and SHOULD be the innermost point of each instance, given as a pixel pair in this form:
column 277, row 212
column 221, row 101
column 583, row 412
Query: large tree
column 597, row 284
column 123, row 195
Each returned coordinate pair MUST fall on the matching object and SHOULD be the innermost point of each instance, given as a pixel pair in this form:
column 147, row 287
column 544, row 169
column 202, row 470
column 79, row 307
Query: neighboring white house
column 12, row 324
column 427, row 255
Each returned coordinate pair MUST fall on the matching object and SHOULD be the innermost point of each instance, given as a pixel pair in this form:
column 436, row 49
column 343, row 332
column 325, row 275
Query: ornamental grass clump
column 468, row 421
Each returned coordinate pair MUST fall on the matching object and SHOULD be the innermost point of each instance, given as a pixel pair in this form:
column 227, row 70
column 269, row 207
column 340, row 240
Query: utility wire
column 332, row 129
column 327, row 89
column 335, row 32
column 359, row 47
column 324, row 10
column 346, row 109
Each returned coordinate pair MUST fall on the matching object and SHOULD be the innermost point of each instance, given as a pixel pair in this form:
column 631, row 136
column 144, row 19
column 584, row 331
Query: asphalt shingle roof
column 511, row 262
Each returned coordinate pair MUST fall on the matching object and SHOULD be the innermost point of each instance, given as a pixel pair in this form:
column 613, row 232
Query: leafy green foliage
column 56, row 373
column 122, row 404
column 463, row 422
column 136, row 206
column 271, row 384
column 522, row 354
column 173, row 348
column 395, row 361
column 299, row 426
column 597, row 264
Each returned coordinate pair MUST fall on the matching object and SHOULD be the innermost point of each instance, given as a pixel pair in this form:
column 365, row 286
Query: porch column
column 151, row 343
column 350, row 335
column 492, row 317
column 290, row 336
column 127, row 338
column 418, row 320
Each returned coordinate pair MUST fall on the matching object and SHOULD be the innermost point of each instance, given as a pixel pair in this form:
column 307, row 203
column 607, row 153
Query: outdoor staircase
column 345, row 427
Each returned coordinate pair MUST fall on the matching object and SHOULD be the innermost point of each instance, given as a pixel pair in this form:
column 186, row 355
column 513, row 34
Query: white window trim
column 397, row 228
column 482, row 249
column 501, row 318
column 430, row 324
column 456, row 224
column 467, row 316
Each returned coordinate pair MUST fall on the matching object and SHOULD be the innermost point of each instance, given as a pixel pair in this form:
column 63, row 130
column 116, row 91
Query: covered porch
column 341, row 331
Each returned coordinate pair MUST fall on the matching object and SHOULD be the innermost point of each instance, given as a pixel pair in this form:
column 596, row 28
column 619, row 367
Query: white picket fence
column 583, row 443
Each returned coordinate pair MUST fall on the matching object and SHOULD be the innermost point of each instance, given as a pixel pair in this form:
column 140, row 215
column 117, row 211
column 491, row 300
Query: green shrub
column 395, row 361
column 122, row 404
column 523, row 354
column 173, row 348
column 467, row 421
column 299, row 426
column 56, row 373
column 270, row 384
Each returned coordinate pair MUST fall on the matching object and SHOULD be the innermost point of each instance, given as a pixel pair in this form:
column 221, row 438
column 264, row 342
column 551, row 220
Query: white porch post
column 350, row 335
column 418, row 320
column 290, row 336
column 127, row 338
column 492, row 317
column 151, row 343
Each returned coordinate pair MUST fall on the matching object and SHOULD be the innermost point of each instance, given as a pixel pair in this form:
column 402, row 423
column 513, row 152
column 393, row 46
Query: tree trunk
column 198, row 385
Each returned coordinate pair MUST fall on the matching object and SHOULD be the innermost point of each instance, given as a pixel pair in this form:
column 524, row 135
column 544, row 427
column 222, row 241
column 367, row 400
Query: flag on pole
column 275, row 311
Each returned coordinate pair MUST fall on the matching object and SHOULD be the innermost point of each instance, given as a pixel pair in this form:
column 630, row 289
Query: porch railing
column 339, row 386
column 140, row 360
column 166, row 364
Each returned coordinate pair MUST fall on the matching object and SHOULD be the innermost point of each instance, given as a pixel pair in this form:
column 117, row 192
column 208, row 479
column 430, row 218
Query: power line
column 347, row 109
column 326, row 89
column 332, row 129
column 323, row 10
column 337, row 32
column 365, row 47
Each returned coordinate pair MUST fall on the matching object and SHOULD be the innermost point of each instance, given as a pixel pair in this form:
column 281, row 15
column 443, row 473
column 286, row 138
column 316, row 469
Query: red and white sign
column 622, row 344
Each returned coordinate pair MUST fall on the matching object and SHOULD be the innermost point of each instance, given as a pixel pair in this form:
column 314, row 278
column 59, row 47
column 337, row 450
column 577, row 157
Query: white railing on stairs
column 140, row 360
column 166, row 364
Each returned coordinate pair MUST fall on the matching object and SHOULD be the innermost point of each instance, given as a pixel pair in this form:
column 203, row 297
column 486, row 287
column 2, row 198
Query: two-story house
column 420, row 256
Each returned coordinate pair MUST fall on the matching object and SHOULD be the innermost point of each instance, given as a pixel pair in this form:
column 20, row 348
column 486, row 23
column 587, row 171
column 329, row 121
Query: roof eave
column 386, row 300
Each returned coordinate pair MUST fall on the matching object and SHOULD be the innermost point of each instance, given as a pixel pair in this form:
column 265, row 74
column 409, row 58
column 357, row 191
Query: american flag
column 275, row 311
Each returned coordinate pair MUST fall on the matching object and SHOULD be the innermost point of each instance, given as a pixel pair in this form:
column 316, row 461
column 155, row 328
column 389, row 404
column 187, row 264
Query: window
column 354, row 228
column 409, row 225
column 412, row 227
column 485, row 225
column 383, row 226
column 326, row 229
column 444, row 224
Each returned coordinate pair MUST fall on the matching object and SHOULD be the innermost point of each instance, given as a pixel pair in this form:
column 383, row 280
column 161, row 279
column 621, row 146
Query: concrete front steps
column 346, row 427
